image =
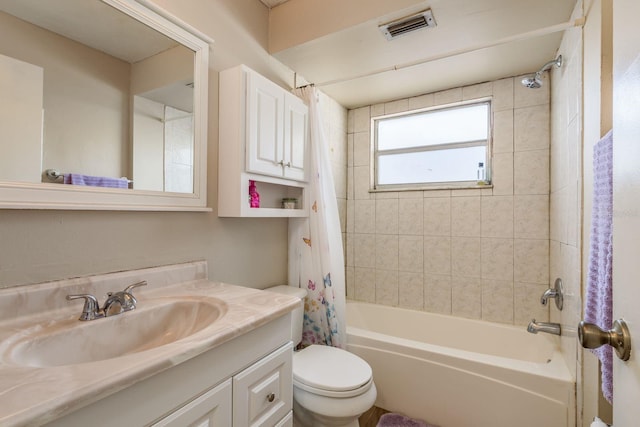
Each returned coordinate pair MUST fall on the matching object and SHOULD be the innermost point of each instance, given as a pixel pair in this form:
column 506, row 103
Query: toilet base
column 303, row 418
column 321, row 411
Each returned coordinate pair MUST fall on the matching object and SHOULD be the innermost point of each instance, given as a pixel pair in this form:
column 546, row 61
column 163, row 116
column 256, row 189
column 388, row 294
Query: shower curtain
column 316, row 260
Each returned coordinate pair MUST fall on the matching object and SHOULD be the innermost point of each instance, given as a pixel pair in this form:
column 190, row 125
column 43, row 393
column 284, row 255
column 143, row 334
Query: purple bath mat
column 399, row 420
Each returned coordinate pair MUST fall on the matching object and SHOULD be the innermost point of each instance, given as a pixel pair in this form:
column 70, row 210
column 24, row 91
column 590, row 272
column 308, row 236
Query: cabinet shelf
column 275, row 213
column 233, row 197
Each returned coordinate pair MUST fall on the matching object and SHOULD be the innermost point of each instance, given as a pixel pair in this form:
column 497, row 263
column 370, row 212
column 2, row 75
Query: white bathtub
column 457, row 372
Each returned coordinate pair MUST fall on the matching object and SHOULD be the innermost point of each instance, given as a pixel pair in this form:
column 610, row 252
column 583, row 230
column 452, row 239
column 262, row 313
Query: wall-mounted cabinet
column 264, row 137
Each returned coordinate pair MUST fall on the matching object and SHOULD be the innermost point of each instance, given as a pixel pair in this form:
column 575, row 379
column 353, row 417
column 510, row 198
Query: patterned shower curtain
column 316, row 260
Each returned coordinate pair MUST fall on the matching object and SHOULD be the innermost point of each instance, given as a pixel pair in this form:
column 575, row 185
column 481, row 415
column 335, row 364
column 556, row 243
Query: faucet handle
column 91, row 308
column 129, row 302
column 130, row 288
column 557, row 293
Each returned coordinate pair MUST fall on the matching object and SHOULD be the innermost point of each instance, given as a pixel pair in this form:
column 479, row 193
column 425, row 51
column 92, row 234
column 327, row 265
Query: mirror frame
column 20, row 195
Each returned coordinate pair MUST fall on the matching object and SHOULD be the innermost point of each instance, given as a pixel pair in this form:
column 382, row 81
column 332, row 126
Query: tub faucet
column 549, row 328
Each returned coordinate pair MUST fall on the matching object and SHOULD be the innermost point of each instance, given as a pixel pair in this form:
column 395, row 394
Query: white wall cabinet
column 247, row 382
column 264, row 137
column 277, row 129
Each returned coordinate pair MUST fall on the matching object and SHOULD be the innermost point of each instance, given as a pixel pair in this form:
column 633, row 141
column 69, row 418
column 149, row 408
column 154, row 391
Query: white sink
column 155, row 323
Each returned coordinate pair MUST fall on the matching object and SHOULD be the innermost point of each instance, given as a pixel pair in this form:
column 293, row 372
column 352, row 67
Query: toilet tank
column 297, row 314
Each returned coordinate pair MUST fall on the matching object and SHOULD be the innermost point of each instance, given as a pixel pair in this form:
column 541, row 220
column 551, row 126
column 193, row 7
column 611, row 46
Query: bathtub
column 457, row 372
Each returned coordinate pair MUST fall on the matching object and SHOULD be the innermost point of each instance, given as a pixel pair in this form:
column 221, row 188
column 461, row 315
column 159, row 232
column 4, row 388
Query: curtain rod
column 579, row 22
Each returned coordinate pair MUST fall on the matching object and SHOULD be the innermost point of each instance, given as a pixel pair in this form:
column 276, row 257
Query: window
column 446, row 146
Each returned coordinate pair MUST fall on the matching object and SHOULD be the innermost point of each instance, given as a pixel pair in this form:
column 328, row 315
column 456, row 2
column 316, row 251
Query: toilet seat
column 331, row 372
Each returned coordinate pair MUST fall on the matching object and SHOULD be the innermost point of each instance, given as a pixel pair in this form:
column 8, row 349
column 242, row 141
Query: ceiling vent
column 406, row 25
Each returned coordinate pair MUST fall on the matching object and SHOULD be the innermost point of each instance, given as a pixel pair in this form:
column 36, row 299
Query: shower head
column 534, row 81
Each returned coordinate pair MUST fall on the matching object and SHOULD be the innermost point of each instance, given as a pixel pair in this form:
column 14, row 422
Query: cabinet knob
column 271, row 397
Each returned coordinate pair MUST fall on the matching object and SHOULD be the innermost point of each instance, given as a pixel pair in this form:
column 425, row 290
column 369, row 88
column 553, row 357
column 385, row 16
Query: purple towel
column 95, row 181
column 598, row 308
column 399, row 420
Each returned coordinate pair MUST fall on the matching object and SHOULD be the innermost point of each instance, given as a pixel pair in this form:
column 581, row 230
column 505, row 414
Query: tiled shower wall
column 566, row 186
column 334, row 121
column 479, row 253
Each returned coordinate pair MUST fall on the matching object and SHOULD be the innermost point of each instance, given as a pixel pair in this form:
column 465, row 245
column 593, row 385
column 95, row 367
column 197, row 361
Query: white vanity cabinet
column 259, row 396
column 264, row 137
column 246, row 382
column 263, row 393
column 211, row 409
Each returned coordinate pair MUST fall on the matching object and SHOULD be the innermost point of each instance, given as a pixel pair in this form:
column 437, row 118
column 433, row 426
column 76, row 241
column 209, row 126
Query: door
column 21, row 92
column 626, row 201
column 265, row 125
column 296, row 137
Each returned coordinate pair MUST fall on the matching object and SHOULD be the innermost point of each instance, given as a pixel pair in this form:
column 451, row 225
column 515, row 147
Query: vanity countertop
column 32, row 395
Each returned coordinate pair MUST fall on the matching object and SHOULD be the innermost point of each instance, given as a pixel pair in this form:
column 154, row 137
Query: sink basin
column 154, row 323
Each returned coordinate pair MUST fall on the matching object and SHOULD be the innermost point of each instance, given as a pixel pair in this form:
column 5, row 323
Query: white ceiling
column 360, row 48
column 114, row 33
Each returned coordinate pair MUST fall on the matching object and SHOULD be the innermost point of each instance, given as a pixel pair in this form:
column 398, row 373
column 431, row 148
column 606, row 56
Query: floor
column 371, row 417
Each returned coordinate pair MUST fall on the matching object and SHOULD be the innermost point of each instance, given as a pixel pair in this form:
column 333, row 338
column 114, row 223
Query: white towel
column 597, row 422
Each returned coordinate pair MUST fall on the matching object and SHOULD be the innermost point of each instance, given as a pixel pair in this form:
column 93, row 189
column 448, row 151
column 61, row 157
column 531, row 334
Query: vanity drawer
column 286, row 421
column 263, row 393
column 211, row 409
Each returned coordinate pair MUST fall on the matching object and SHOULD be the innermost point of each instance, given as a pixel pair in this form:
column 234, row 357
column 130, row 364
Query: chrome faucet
column 121, row 301
column 116, row 303
column 549, row 328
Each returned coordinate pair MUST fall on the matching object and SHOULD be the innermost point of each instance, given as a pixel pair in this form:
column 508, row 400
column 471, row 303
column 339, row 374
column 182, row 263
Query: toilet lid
column 330, row 368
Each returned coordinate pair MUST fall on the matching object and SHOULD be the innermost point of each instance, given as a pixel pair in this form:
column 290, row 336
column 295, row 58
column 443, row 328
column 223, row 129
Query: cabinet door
column 264, row 126
column 287, row 421
column 296, row 137
column 212, row 409
column 263, row 393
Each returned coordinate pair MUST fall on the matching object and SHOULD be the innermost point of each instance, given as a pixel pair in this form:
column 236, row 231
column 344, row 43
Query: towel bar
column 54, row 174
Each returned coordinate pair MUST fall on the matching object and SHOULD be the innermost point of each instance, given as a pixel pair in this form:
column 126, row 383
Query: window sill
column 447, row 186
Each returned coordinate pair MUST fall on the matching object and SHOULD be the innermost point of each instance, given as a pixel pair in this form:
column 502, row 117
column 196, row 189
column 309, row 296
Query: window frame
column 488, row 143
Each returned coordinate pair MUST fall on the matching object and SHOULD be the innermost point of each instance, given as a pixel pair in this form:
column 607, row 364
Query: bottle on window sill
column 482, row 176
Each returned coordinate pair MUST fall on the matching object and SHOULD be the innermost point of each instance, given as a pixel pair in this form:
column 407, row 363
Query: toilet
column 331, row 387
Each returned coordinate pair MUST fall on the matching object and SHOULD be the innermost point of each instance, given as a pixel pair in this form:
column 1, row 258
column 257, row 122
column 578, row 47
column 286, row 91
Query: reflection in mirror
column 88, row 90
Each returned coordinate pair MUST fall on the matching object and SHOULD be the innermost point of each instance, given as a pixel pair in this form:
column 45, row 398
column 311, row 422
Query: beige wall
column 476, row 253
column 43, row 245
column 163, row 69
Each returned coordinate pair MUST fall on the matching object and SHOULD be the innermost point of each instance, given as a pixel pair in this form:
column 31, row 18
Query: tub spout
column 549, row 328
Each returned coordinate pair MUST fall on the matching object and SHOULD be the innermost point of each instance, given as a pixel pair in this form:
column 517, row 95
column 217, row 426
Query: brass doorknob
column 591, row 336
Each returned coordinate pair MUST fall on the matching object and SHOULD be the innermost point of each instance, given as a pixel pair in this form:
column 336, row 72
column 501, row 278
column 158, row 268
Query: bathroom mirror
column 109, row 93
